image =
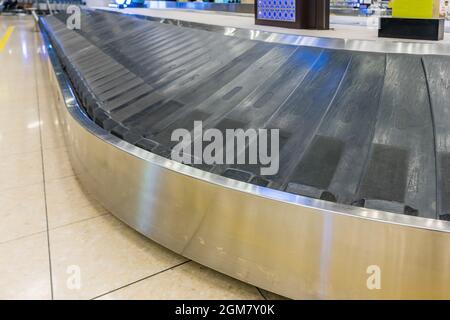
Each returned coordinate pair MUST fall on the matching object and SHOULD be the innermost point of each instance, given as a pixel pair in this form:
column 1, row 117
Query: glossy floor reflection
column 52, row 233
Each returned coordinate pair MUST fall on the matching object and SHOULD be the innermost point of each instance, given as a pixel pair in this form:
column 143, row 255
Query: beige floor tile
column 24, row 268
column 108, row 254
column 50, row 115
column 67, row 202
column 20, row 141
column 20, row 119
column 52, row 133
column 13, row 104
column 19, row 170
column 49, row 105
column 20, row 90
column 22, row 212
column 26, row 81
column 188, row 281
column 52, row 139
column 48, row 112
column 46, row 97
column 57, row 164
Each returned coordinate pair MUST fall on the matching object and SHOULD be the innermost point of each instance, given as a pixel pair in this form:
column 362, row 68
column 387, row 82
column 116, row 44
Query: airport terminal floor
column 50, row 225
column 98, row 201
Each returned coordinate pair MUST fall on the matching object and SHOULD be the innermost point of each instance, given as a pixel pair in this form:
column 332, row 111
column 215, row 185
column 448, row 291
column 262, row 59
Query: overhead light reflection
column 34, row 125
column 24, row 49
column 229, row 31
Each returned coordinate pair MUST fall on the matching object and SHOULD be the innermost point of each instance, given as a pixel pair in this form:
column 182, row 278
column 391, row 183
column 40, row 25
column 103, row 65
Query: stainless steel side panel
column 291, row 245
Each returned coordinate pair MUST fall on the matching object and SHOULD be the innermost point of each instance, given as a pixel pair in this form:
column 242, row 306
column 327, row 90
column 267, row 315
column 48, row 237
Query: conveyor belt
column 364, row 129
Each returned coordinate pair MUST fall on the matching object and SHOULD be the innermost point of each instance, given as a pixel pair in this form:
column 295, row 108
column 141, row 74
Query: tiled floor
column 56, row 241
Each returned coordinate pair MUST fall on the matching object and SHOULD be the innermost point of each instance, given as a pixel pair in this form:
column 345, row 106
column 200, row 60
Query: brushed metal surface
column 291, row 245
column 378, row 45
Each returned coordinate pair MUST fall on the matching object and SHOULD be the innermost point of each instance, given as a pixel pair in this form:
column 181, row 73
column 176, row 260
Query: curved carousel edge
column 291, row 245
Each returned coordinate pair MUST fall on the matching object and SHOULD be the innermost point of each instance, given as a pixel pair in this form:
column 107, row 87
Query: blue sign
column 276, row 10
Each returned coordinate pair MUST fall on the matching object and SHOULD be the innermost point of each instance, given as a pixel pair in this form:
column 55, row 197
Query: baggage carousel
column 364, row 164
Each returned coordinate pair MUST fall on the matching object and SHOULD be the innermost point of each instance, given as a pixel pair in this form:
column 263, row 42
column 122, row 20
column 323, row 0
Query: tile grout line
column 56, row 228
column 142, row 279
column 22, row 237
column 43, row 172
column 106, row 213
